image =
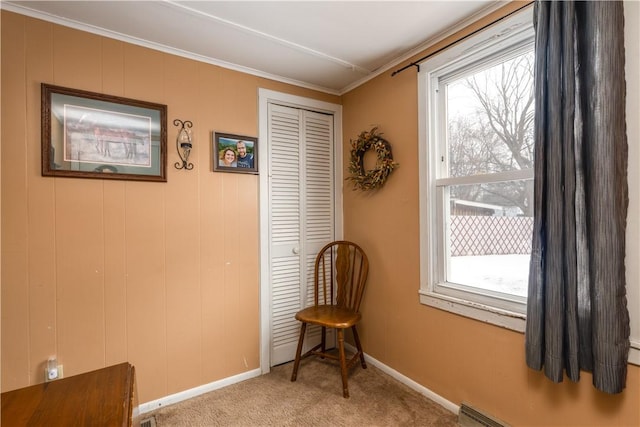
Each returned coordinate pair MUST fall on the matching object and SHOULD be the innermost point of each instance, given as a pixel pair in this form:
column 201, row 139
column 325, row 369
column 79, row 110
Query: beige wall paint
column 163, row 275
column 461, row 359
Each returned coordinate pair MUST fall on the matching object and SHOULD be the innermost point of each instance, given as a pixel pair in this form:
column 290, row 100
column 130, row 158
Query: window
column 476, row 173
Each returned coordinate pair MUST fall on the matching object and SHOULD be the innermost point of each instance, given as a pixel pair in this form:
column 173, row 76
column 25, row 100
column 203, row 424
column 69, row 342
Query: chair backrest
column 341, row 270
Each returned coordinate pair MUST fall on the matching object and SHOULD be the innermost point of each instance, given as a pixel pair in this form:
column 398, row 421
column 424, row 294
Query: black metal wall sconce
column 184, row 144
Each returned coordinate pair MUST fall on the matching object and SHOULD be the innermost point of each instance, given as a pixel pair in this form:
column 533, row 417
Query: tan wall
column 460, row 359
column 163, row 275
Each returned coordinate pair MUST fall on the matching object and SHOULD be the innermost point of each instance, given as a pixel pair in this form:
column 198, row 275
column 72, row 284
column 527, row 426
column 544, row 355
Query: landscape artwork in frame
column 93, row 135
column 234, row 153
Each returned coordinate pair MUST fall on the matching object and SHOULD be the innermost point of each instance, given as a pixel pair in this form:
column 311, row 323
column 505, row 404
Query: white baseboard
column 196, row 391
column 409, row 382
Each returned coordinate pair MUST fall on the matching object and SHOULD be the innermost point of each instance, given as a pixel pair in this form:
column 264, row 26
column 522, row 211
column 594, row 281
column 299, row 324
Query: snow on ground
column 502, row 273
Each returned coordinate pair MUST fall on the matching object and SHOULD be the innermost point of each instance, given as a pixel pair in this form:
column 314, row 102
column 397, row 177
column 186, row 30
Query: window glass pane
column 490, row 119
column 489, row 236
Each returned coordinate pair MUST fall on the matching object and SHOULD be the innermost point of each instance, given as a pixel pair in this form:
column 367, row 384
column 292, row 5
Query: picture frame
column 94, row 135
column 224, row 143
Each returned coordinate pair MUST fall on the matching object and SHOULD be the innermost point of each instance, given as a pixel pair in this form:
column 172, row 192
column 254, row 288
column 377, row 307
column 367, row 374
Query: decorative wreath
column 374, row 178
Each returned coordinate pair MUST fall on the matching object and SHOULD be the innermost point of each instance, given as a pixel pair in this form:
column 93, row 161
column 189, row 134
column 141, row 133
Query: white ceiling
column 332, row 46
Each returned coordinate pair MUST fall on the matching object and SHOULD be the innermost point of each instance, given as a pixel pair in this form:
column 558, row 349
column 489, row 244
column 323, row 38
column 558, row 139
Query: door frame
column 265, row 97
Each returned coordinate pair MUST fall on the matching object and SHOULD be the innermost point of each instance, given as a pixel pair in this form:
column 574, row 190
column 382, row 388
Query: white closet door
column 301, row 216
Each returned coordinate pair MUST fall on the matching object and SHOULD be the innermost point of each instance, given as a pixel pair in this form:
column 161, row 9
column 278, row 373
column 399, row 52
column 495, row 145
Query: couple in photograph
column 241, row 159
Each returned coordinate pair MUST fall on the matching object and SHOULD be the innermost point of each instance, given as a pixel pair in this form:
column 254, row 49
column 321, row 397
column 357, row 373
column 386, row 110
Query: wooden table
column 99, row 398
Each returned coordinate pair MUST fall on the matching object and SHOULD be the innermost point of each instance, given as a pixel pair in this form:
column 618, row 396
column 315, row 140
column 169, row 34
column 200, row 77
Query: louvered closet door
column 301, row 217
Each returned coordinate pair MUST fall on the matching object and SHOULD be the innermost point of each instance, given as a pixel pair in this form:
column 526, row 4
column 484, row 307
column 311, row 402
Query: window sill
column 480, row 312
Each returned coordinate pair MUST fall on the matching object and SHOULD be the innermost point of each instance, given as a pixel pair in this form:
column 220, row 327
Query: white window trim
column 515, row 29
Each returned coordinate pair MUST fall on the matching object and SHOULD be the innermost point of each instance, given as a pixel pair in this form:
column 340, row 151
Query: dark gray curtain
column 577, row 316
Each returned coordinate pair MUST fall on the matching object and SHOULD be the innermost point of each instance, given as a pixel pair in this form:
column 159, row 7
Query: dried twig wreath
column 374, row 178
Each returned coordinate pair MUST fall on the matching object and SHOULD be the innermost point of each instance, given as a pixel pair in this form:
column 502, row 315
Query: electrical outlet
column 53, row 373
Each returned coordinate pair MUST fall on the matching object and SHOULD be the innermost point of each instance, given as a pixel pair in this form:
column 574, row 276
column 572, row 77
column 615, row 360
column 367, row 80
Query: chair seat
column 329, row 315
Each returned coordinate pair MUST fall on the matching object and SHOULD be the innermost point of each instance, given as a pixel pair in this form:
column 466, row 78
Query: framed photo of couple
column 235, row 153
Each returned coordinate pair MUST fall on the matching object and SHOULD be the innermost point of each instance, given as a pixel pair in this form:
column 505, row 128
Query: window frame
column 497, row 42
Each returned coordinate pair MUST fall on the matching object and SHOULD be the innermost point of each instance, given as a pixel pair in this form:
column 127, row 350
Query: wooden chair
column 341, row 270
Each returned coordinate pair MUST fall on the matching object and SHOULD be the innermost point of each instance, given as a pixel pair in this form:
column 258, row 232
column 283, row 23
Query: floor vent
column 471, row 417
column 148, row 422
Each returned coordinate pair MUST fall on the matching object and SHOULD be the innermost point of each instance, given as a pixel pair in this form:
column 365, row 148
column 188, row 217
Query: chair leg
column 296, row 364
column 356, row 338
column 323, row 341
column 343, row 363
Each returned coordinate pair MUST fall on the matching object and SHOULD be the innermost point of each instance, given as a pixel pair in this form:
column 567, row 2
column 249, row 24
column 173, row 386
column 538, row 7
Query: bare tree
column 499, row 136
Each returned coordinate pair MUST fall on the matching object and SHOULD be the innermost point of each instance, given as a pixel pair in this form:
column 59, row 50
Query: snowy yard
column 502, row 273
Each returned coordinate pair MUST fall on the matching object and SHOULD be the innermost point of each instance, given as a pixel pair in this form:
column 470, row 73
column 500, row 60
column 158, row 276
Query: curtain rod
column 416, row 62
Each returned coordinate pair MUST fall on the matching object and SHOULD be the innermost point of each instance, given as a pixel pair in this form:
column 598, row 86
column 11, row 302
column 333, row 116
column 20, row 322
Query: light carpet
column 315, row 399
